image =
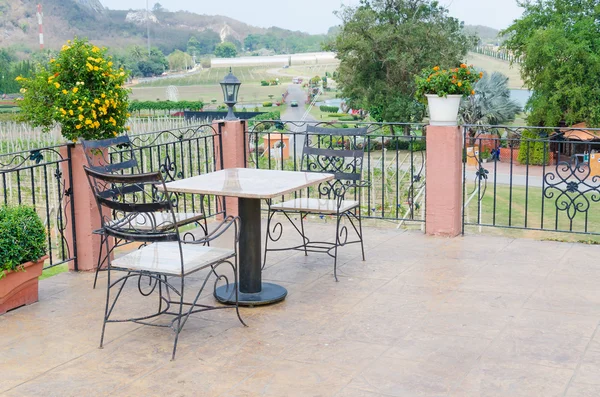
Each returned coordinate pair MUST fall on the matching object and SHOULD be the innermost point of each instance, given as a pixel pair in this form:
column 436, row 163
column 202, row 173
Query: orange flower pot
column 20, row 288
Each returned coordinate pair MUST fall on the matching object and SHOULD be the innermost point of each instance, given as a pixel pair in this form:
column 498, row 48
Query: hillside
column 64, row 19
column 486, row 34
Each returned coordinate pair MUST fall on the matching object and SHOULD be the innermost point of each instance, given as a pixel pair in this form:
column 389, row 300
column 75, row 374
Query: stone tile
column 566, row 299
column 432, row 272
column 496, row 278
column 352, row 392
column 583, row 390
column 541, row 347
column 396, row 377
column 563, row 324
column 348, row 355
column 470, row 316
column 376, row 328
column 290, row 378
column 375, row 268
column 451, row 351
column 490, row 379
column 589, row 370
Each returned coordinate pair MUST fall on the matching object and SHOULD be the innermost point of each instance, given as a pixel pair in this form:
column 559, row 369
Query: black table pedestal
column 252, row 291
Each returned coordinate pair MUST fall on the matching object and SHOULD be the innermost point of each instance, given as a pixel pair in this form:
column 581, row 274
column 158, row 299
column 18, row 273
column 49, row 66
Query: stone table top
column 248, row 183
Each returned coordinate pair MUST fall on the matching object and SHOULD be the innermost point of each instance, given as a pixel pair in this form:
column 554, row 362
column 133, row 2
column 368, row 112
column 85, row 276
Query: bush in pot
column 82, row 90
column 22, row 255
column 444, row 89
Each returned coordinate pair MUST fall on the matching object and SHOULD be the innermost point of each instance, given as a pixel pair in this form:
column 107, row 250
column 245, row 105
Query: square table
column 249, row 186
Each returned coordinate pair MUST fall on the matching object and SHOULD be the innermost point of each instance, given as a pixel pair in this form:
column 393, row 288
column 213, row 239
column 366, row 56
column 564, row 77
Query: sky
column 316, row 16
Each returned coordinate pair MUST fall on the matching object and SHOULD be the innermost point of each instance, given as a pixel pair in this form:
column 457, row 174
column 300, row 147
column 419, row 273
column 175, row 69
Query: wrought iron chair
column 147, row 217
column 117, row 156
column 339, row 198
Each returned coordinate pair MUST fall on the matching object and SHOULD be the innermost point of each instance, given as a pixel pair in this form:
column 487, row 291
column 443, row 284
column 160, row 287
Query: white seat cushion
column 164, row 220
column 164, row 258
column 321, row 206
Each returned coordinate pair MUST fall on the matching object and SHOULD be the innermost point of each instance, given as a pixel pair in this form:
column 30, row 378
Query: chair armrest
column 219, row 231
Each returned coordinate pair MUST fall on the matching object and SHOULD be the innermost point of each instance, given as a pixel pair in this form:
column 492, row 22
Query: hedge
column 165, row 105
column 329, row 109
column 267, row 104
column 22, row 237
column 532, row 148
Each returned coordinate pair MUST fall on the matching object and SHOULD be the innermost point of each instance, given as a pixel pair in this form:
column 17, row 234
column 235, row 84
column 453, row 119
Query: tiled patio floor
column 471, row 316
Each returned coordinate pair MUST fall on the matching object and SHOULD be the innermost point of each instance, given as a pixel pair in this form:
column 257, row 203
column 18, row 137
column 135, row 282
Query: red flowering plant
column 81, row 90
column 444, row 82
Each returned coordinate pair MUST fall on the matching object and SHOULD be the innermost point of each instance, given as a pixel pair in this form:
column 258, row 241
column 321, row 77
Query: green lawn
column 521, row 207
column 53, row 271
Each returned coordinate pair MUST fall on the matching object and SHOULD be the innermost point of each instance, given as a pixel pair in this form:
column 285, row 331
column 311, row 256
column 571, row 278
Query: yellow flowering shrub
column 443, row 82
column 81, row 90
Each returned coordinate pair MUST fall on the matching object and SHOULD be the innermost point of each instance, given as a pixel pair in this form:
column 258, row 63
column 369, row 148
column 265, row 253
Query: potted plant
column 444, row 89
column 22, row 256
column 485, row 155
column 82, row 90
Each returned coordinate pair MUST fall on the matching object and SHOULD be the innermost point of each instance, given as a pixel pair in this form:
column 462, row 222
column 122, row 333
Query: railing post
column 231, row 152
column 85, row 218
column 443, row 197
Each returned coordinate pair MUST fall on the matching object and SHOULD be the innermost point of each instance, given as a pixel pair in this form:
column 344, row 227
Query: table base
column 271, row 293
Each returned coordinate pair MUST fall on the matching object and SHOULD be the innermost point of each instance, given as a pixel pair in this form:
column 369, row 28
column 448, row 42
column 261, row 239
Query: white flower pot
column 443, row 111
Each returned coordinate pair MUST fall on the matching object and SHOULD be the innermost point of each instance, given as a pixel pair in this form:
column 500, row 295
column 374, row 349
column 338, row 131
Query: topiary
column 22, row 238
column 533, row 149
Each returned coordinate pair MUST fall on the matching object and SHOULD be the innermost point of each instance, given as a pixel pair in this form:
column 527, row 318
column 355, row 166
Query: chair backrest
column 142, row 216
column 332, row 157
column 113, row 155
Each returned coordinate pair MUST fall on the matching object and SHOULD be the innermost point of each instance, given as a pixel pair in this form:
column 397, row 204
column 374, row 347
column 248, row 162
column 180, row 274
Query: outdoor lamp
column 231, row 88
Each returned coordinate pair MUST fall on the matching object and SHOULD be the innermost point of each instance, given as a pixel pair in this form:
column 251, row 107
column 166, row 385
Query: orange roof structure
column 578, row 132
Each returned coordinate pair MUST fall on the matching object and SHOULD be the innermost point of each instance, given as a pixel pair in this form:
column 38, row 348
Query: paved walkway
column 472, row 316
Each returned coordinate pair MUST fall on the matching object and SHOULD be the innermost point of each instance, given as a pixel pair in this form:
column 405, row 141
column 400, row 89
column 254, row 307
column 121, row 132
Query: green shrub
column 337, row 115
column 329, row 109
column 264, row 83
column 267, row 104
column 22, row 237
column 532, row 148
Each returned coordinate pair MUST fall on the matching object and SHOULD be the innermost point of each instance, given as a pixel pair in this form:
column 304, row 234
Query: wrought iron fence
column 394, row 162
column 38, row 178
column 177, row 154
column 545, row 179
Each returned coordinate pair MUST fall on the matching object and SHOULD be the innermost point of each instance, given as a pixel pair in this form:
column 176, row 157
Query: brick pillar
column 234, row 152
column 87, row 218
column 443, row 203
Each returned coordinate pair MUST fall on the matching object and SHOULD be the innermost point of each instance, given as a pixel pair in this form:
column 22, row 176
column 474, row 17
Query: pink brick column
column 443, row 195
column 234, row 148
column 87, row 218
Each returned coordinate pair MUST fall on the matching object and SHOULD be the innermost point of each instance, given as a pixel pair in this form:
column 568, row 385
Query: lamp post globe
column 231, row 87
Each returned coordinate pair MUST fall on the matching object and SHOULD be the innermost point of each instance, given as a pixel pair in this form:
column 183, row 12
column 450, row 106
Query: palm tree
column 491, row 104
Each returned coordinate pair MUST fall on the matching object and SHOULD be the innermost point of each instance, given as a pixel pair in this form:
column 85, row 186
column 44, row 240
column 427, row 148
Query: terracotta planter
column 443, row 111
column 20, row 288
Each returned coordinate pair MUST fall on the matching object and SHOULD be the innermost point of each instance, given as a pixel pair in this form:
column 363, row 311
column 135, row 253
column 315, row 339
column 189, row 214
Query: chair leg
column 178, row 330
column 269, row 218
column 106, row 313
column 100, row 261
column 337, row 244
column 236, row 286
column 362, row 246
column 205, row 228
column 303, row 235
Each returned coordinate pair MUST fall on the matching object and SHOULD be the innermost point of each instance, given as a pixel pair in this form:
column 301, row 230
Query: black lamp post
column 231, row 88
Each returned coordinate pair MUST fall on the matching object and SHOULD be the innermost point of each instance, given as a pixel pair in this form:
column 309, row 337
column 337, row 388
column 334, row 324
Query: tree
column 205, row 43
column 226, row 50
column 158, row 8
column 558, row 43
column 252, row 42
column 383, row 44
column 179, row 60
column 491, row 104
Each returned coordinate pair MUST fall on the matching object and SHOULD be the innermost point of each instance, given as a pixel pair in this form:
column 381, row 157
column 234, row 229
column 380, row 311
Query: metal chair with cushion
column 117, row 156
column 163, row 257
column 335, row 152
